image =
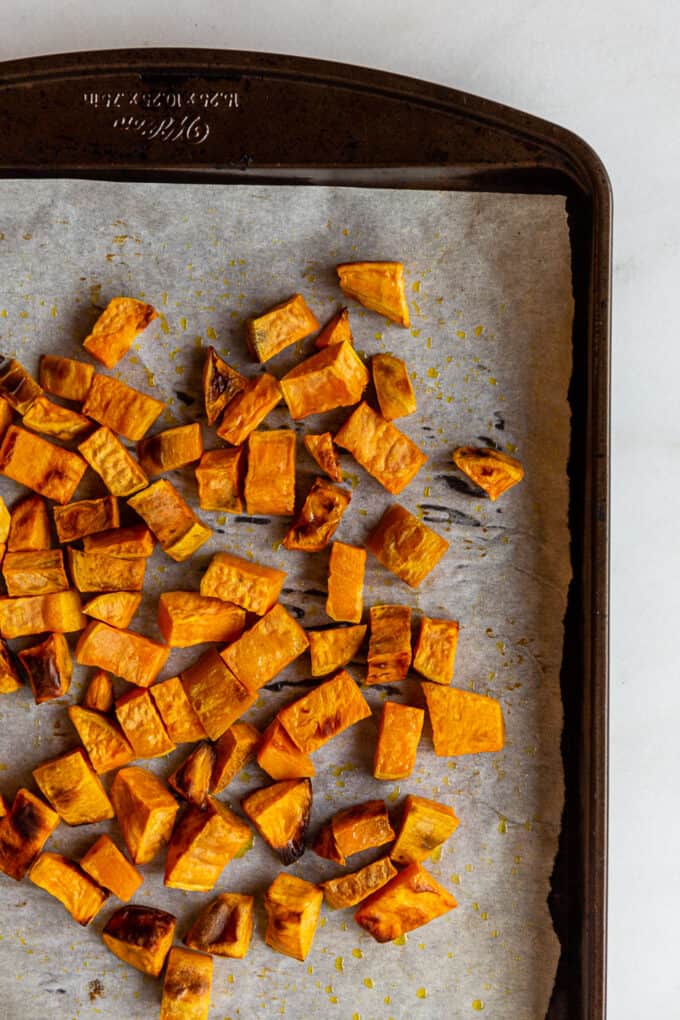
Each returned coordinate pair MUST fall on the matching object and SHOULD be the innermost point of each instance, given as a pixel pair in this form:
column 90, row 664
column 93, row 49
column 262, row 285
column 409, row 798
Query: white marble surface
column 609, row 71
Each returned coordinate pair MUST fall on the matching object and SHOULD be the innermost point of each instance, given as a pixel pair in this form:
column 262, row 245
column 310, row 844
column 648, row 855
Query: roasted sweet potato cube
column 186, row 986
column 336, row 330
column 29, row 526
column 425, row 825
column 99, row 693
column 121, row 408
column 202, row 844
column 49, row 470
column 269, row 646
column 293, row 906
column 73, row 789
column 117, row 468
column 179, row 531
column 348, row 890
column 284, row 324
column 491, row 470
column 86, row 516
column 398, row 739
column 335, row 377
column 377, row 285
column 6, row 416
column 221, row 383
column 65, row 377
column 346, row 569
column 34, row 614
column 360, row 827
column 171, row 449
column 63, row 879
column 54, row 420
column 49, row 668
column 315, row 718
column 17, row 387
column 188, row 618
column 406, row 546
column 249, row 408
column 389, row 644
column 4, row 806
column 181, row 722
column 5, row 522
column 250, row 585
column 10, row 679
column 412, row 898
column 224, row 927
column 270, row 478
column 142, row 725
column 109, row 866
column 24, row 830
column 124, row 653
column 233, row 750
column 318, row 518
column 99, row 572
column 191, row 779
column 321, row 448
column 392, row 386
column 145, row 811
column 114, row 607
column 217, row 696
column 34, row 572
column 219, row 477
column 106, row 746
column 331, row 649
column 116, row 329
column 381, row 449
column 463, row 722
column 140, row 936
column 280, row 757
column 130, row 543
column 281, row 814
column 435, row 652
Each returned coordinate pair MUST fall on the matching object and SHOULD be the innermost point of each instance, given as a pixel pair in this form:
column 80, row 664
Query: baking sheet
column 490, row 353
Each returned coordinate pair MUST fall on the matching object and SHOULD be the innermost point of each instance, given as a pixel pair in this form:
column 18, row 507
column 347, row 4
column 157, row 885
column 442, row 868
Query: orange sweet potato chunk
column 389, row 645
column 270, row 478
column 284, row 324
column 63, row 879
column 179, row 718
column 54, row 420
column 59, row 611
column 280, row 758
column 348, row 890
column 10, row 679
column 29, row 526
column 35, row 572
column 377, row 285
column 188, row 618
column 117, row 468
column 322, row 450
column 203, row 843
column 123, row 409
column 93, row 571
column 114, row 607
column 346, row 569
column 108, row 866
column 171, row 449
column 435, row 650
column 315, row 718
column 269, row 646
column 333, row 648
column 249, row 408
column 381, row 449
column 335, row 377
column 318, row 518
column 24, row 830
column 186, row 985
column 293, row 907
column 253, row 586
column 234, row 749
column 336, row 330
column 140, row 936
column 49, row 470
column 130, row 543
column 72, row 787
column 142, row 725
column 219, row 478
column 217, row 696
column 281, row 814
column 65, row 377
column 392, row 386
column 191, row 779
column 398, row 738
column 17, row 387
column 406, row 546
column 224, row 927
column 124, row 653
column 99, row 693
column 360, row 827
column 425, row 825
column 492, row 470
column 179, row 531
column 408, row 901
column 84, row 517
column 221, row 383
column 106, row 746
column 49, row 668
column 116, row 329
column 145, row 811
column 463, row 722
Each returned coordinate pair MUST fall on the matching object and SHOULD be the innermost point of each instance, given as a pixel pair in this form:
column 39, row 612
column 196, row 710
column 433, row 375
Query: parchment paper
column 490, row 355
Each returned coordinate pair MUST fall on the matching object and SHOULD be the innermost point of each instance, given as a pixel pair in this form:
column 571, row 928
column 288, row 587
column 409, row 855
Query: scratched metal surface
column 489, row 351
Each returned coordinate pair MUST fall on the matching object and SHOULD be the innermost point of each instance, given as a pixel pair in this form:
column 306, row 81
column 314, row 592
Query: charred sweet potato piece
column 284, row 324
column 280, row 758
column 121, row 408
column 191, row 779
column 106, row 746
column 17, row 387
column 398, row 739
column 6, row 416
column 186, row 986
column 412, row 898
column 140, row 936
column 108, row 866
column 425, row 825
column 145, row 811
column 49, row 668
column 187, row 618
column 129, row 543
column 35, row 572
column 72, row 787
column 269, row 646
column 65, row 377
column 99, row 572
column 381, row 449
column 293, row 906
column 114, row 607
column 106, row 455
column 217, row 696
column 54, row 420
column 281, row 814
column 63, row 879
column 99, row 693
column 10, row 680
column 24, row 830
column 348, row 890
column 142, row 725
column 463, row 722
column 116, row 329
column 335, row 377
column 124, row 653
column 224, row 927
column 346, row 568
column 406, row 546
column 270, row 478
column 435, row 650
column 322, row 450
column 377, row 285
column 235, row 748
column 331, row 649
column 29, row 526
column 336, row 330
column 179, row 531
column 315, row 718
column 202, row 844
column 5, row 523
column 34, row 614
column 181, row 722
column 86, row 516
column 319, row 517
column 392, row 386
column 171, row 449
column 49, row 470
column 357, row 828
column 249, row 408
column 219, row 477
column 389, row 645
column 4, row 806
column 491, row 470
column 221, row 383
column 250, row 585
